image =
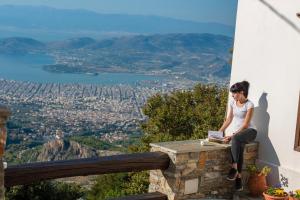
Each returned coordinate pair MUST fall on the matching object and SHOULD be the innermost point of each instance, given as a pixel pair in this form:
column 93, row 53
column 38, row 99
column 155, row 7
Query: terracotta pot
column 269, row 197
column 293, row 198
column 257, row 184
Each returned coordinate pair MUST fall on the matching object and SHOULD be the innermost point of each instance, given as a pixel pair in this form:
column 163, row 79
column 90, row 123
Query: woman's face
column 237, row 95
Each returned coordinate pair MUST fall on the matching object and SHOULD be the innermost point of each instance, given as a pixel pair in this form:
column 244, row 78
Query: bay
column 29, row 68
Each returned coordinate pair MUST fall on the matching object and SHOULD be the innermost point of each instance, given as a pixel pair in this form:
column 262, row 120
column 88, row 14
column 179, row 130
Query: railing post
column 4, row 114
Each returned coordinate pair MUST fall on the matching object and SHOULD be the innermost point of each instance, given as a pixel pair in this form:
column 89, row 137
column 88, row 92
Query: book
column 215, row 136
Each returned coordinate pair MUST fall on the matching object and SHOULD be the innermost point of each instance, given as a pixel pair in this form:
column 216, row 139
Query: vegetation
column 118, row 184
column 96, row 143
column 91, row 141
column 23, row 152
column 45, row 191
column 295, row 194
column 277, row 192
column 255, row 170
column 107, row 185
column 181, row 115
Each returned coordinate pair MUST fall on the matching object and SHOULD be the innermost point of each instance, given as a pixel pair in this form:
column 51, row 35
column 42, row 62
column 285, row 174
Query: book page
column 215, row 135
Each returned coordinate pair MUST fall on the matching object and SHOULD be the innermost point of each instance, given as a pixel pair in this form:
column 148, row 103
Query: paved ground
column 244, row 195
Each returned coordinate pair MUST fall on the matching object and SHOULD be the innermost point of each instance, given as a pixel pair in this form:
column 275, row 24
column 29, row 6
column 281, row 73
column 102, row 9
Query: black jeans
column 238, row 142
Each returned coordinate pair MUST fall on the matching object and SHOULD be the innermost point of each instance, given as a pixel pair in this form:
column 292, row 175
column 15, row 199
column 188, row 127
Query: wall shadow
column 281, row 16
column 267, row 153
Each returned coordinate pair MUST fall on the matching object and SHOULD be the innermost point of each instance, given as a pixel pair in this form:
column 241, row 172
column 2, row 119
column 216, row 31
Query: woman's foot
column 238, row 184
column 232, row 174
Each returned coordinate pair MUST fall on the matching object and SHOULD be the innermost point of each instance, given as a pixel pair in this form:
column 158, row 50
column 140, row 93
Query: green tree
column 181, row 115
column 118, row 184
column 47, row 190
column 108, row 186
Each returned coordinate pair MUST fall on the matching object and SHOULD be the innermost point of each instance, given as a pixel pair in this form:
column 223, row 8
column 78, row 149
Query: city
column 40, row 109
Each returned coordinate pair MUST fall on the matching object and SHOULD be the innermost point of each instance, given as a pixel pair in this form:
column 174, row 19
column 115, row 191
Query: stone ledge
column 186, row 146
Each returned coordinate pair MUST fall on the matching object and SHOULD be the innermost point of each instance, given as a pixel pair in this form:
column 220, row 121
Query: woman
column 244, row 131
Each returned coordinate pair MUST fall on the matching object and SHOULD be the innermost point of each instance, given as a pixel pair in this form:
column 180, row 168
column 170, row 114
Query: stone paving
column 245, row 196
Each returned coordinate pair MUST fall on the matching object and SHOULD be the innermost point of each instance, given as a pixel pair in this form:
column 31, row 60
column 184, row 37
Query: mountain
column 19, row 45
column 172, row 43
column 73, row 43
column 50, row 23
column 189, row 55
column 194, row 56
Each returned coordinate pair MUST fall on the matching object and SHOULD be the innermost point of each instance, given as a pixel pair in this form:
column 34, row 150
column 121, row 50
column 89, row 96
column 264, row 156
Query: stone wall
column 197, row 171
column 4, row 114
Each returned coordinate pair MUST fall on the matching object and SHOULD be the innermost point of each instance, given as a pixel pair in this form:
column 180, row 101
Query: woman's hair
column 240, row 86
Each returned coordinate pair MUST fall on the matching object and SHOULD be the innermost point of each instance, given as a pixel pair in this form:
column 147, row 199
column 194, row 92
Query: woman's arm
column 227, row 121
column 246, row 120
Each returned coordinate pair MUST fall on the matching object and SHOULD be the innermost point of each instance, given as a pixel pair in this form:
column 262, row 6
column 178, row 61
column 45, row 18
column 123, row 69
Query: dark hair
column 240, row 86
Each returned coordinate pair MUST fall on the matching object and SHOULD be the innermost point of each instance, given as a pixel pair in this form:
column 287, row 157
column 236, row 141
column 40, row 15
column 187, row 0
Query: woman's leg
column 240, row 139
column 237, row 151
column 235, row 154
column 241, row 159
column 237, row 146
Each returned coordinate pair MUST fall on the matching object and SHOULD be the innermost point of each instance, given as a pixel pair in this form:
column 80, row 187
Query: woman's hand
column 227, row 139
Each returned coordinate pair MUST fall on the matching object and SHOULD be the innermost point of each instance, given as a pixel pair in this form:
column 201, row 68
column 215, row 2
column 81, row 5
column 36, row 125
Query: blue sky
column 221, row 11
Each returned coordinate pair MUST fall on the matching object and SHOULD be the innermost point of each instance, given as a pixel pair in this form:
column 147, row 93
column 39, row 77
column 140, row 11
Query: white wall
column 267, row 54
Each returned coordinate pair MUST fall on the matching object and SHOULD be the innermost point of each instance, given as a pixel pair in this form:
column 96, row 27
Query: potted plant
column 294, row 195
column 275, row 193
column 257, row 182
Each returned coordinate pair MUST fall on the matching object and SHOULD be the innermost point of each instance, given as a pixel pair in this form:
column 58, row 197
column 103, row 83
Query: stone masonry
column 4, row 114
column 197, row 171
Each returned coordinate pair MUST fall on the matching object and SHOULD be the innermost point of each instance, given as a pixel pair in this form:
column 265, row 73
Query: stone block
column 181, row 158
column 172, row 157
column 190, row 167
column 191, row 186
column 251, row 148
column 251, row 155
column 212, row 155
column 194, row 155
column 212, row 175
column 169, row 174
column 202, row 160
column 173, row 184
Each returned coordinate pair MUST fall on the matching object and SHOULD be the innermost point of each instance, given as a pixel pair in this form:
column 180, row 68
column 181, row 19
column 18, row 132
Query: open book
column 215, row 136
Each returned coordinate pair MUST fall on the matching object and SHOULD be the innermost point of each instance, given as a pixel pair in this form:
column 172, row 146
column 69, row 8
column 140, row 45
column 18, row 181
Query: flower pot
column 293, row 198
column 257, row 184
column 269, row 197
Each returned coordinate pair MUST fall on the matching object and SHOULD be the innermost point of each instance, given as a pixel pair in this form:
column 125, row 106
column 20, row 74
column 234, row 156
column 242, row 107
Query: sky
column 220, row 11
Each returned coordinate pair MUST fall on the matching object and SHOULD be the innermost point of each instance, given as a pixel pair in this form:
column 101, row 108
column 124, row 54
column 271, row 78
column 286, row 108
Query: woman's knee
column 234, row 138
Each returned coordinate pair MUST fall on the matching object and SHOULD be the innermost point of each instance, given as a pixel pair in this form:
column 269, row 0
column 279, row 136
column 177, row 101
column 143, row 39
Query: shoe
column 232, row 174
column 238, row 184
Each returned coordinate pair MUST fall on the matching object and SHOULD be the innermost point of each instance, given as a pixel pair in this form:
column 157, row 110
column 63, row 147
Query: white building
column 59, row 134
column 267, row 54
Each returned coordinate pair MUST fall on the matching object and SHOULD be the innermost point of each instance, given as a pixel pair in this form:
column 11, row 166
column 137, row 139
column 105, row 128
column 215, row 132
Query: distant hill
column 49, row 23
column 194, row 56
column 73, row 43
column 17, row 45
column 64, row 150
column 171, row 43
column 191, row 55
